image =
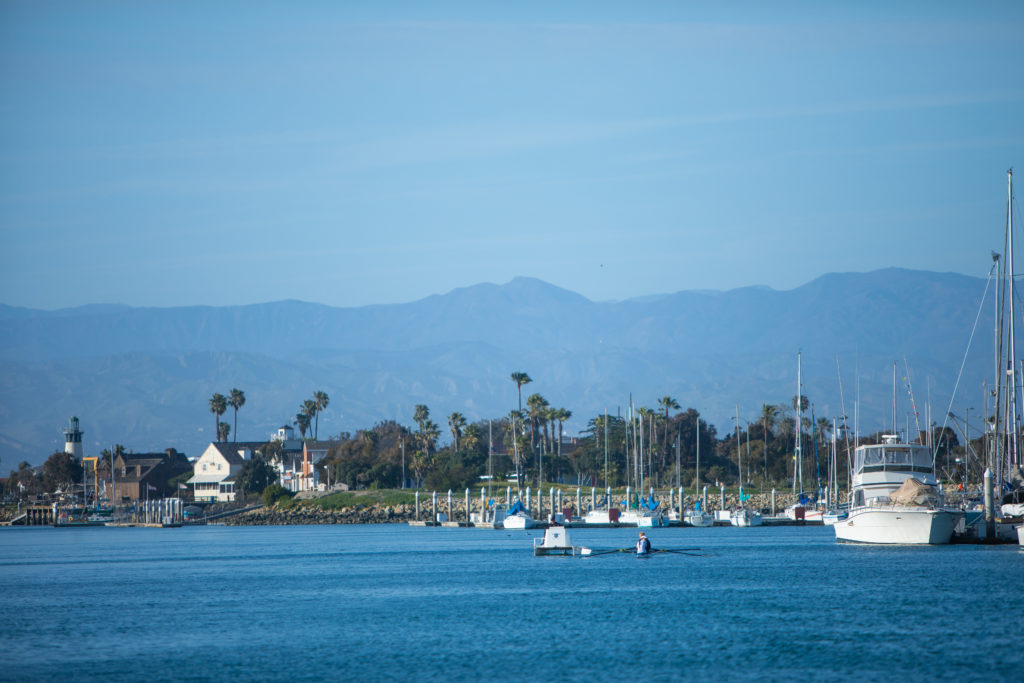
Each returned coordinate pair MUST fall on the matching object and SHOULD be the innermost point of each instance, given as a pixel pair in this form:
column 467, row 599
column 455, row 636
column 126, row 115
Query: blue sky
column 163, row 154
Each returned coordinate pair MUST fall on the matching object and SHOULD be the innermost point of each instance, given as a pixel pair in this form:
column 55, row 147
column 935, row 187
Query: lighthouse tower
column 73, row 438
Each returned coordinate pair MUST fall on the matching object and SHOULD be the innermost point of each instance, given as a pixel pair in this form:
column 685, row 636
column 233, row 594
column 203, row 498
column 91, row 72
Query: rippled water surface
column 403, row 603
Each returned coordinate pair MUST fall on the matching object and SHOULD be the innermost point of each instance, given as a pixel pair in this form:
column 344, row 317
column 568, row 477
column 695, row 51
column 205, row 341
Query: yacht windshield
column 893, row 457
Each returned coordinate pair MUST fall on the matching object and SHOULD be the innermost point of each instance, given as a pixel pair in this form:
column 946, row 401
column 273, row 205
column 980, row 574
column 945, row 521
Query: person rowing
column 643, row 544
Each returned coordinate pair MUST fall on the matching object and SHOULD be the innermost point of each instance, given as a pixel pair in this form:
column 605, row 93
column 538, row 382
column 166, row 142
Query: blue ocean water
column 392, row 602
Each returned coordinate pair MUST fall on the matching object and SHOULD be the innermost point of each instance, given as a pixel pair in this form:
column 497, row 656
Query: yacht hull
column 903, row 526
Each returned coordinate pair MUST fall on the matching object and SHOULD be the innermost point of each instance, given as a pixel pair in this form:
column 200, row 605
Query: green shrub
column 274, row 493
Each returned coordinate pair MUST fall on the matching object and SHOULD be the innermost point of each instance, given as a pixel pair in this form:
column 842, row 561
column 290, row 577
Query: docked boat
column 895, row 498
column 698, row 518
column 610, row 516
column 806, row 512
column 642, row 518
column 833, row 517
column 518, row 517
column 744, row 517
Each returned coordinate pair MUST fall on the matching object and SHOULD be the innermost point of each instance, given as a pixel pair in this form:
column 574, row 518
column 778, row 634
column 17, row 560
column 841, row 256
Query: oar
column 677, row 551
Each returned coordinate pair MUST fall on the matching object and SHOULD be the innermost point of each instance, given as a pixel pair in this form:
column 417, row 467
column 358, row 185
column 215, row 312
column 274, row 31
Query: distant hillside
column 142, row 376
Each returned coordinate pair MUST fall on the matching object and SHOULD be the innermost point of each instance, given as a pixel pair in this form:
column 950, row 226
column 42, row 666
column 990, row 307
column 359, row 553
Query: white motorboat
column 895, row 498
column 744, row 517
column 698, row 518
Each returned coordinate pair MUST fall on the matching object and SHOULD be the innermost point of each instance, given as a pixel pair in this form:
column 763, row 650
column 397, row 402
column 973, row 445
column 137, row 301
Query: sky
column 196, row 153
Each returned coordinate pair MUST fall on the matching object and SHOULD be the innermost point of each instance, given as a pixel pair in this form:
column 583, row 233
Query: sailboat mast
column 606, row 448
column 1012, row 455
column 798, row 464
column 697, row 437
column 739, row 453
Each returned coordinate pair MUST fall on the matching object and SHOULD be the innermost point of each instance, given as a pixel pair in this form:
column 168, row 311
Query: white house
column 214, row 472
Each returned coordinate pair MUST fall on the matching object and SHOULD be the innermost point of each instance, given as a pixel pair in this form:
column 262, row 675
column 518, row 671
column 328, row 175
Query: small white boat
column 698, row 518
column 834, row 516
column 602, row 516
column 518, row 517
column 519, row 520
column 643, row 518
column 804, row 511
column 746, row 517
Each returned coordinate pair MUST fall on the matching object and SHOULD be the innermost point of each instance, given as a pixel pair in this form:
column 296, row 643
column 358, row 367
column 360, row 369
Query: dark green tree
column 520, row 378
column 60, row 471
column 256, row 474
column 236, row 401
column 218, row 406
column 320, row 400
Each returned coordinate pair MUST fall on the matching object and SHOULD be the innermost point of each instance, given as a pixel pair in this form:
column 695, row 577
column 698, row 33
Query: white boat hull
column 642, row 519
column 1020, row 535
column 519, row 521
column 700, row 519
column 833, row 517
column 746, row 518
column 895, row 525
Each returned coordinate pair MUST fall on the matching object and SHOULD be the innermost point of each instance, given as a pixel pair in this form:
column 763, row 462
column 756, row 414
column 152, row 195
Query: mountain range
column 142, row 377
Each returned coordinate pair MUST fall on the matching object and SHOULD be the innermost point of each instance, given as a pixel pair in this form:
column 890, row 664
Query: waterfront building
column 142, row 476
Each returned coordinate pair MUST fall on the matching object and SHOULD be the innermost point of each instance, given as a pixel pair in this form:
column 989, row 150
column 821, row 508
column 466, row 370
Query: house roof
column 229, row 449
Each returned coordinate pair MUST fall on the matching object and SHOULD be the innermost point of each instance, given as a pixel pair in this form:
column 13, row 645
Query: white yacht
column 895, row 498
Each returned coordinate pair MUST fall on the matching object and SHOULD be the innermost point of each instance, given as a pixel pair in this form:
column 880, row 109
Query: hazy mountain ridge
column 142, row 376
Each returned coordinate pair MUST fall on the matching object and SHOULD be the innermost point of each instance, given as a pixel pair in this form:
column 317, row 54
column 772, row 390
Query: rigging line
column 913, row 403
column 959, row 375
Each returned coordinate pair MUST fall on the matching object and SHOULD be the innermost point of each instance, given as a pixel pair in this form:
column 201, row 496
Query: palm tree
column 472, row 436
column 538, row 406
column 520, row 378
column 302, row 422
column 321, row 400
column 562, row 416
column 236, row 401
column 308, row 409
column 223, row 431
column 456, row 421
column 218, row 406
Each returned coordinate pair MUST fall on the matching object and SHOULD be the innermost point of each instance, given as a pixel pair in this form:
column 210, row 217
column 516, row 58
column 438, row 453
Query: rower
column 643, row 545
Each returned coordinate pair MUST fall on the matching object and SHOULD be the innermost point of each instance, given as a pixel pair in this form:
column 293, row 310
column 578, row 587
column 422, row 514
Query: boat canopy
column 895, row 457
column 517, row 506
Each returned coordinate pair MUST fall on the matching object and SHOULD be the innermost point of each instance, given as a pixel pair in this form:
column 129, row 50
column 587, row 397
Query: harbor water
column 392, row 602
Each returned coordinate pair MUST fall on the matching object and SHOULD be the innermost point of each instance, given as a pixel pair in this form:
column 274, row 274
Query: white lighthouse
column 73, row 439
